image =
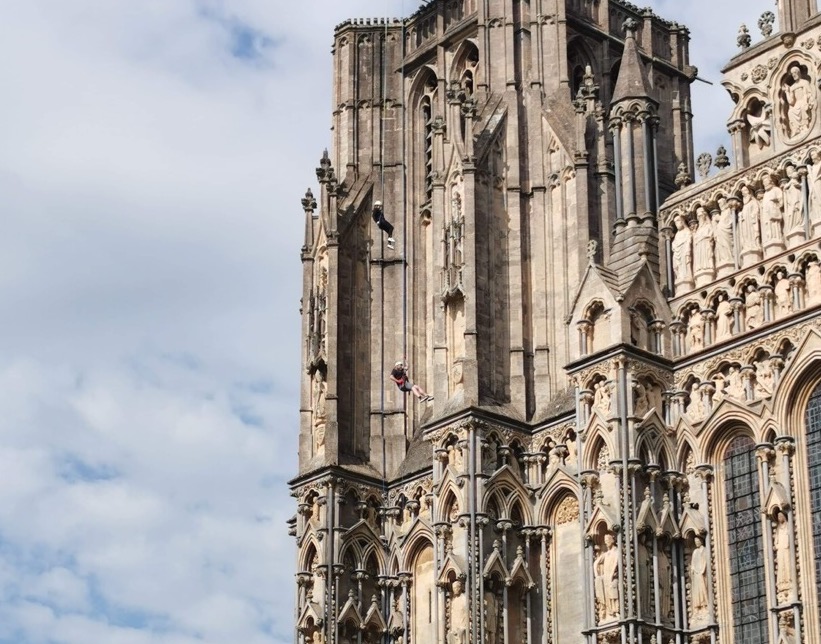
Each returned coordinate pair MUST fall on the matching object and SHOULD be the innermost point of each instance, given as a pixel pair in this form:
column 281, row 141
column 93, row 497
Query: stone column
column 797, row 290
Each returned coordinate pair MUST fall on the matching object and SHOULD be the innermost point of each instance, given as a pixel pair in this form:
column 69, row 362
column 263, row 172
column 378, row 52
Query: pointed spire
column 632, row 81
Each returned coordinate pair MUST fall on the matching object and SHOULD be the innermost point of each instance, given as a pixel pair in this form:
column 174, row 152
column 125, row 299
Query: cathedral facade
column 622, row 339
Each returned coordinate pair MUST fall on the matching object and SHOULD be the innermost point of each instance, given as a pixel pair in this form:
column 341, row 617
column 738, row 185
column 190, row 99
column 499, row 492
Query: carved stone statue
column 696, row 410
column 695, row 332
column 772, row 217
column 798, row 103
column 641, row 402
column 749, row 232
column 459, row 616
column 682, row 255
column 764, row 378
column 783, row 565
column 814, row 182
column 699, row 599
column 703, row 258
column 735, row 384
column 396, row 622
column 491, row 617
column 723, row 234
column 793, row 207
column 724, row 318
column 601, row 398
column 606, row 568
column 783, row 299
column 665, row 584
column 813, row 281
column 754, row 316
column 318, row 401
column 490, row 457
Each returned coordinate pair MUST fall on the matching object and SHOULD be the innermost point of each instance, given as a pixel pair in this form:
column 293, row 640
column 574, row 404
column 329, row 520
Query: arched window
column 813, row 421
column 749, row 593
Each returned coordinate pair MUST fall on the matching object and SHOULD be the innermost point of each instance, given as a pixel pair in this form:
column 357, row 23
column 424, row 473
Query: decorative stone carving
column 568, row 511
column 723, row 224
column 772, row 217
column 703, row 258
column 601, row 398
column 812, row 279
column 606, row 571
column 814, row 184
column 683, row 255
column 725, row 318
column 459, row 615
column 754, row 313
column 491, row 616
column 749, row 232
column 722, row 160
column 682, row 176
column 783, row 299
column 695, row 409
column 760, row 126
column 703, row 163
column 699, row 597
column 695, row 332
column 783, row 564
column 797, row 100
column 765, row 23
column 793, row 207
column 764, row 378
column 743, row 38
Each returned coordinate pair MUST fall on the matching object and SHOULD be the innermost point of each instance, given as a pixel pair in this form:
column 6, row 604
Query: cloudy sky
column 152, row 158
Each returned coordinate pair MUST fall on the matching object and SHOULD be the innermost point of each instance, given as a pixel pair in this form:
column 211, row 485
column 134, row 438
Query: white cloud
column 153, row 158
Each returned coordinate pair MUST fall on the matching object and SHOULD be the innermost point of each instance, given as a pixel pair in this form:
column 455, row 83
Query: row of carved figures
column 741, row 229
column 696, row 398
column 754, row 306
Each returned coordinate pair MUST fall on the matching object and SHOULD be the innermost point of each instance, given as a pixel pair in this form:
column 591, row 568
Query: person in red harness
column 400, row 376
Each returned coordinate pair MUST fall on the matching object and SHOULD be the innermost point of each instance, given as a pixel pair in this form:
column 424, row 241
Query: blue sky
column 153, row 157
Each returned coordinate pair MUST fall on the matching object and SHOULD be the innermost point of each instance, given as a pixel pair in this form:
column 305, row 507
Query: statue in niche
column 699, row 599
column 682, row 254
column 797, row 103
column 665, row 583
column 396, row 622
column 318, row 401
column 455, row 457
column 783, row 565
column 318, row 588
column 813, row 281
column 723, row 236
column 719, row 383
column 749, row 232
column 793, row 207
column 772, row 217
column 695, row 332
column 641, row 402
column 454, row 511
column 724, row 318
column 601, row 398
column 318, row 637
column 606, row 570
column 638, row 330
column 459, row 617
column 754, row 313
column 490, row 457
column 491, row 616
column 735, row 383
column 783, row 299
column 645, row 566
column 814, row 181
column 759, row 120
column 696, row 410
column 703, row 258
column 764, row 378
column 570, row 443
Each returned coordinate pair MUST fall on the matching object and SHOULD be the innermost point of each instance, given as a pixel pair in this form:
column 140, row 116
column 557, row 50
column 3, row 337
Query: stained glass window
column 749, row 599
column 813, row 420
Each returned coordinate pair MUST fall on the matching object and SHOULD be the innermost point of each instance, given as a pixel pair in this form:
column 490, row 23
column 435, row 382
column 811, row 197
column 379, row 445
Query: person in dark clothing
column 382, row 223
column 400, row 376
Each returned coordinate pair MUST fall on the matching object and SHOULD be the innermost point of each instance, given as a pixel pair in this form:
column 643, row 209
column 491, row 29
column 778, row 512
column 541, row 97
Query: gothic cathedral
column 622, row 340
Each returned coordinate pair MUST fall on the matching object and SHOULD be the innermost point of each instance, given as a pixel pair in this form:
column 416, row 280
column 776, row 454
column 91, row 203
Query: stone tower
column 625, row 439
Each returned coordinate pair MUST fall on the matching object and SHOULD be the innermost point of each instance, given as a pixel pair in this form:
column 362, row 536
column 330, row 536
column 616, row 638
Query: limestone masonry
column 622, row 339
